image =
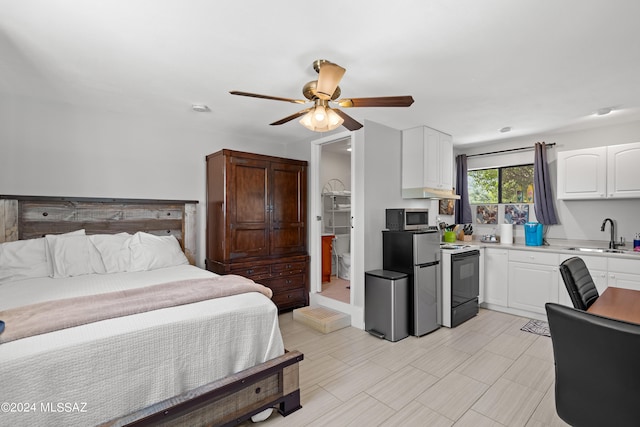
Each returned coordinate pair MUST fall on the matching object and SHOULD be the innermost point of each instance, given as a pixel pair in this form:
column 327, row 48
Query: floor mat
column 538, row 327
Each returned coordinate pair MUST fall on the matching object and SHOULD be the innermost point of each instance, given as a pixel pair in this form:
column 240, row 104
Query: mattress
column 96, row 372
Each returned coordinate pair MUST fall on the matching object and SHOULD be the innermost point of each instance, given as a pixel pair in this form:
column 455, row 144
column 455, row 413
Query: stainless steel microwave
column 402, row 219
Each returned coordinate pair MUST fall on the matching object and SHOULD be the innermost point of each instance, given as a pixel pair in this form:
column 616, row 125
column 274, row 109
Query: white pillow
column 149, row 252
column 114, row 250
column 73, row 254
column 23, row 259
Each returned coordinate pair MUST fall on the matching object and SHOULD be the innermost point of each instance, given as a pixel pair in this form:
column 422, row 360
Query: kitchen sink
column 600, row 250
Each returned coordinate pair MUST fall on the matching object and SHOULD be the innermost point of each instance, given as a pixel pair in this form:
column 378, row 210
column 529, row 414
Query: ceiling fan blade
column 275, row 98
column 291, row 117
column 349, row 122
column 381, row 101
column 329, row 77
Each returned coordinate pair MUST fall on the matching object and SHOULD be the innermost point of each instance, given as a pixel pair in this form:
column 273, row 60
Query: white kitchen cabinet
column 597, row 267
column 533, row 280
column 624, row 273
column 438, row 161
column 582, row 174
column 496, row 274
column 427, row 161
column 599, row 173
column 622, row 171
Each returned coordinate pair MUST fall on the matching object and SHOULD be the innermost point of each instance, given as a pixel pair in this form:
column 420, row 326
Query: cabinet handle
column 288, row 281
column 250, row 271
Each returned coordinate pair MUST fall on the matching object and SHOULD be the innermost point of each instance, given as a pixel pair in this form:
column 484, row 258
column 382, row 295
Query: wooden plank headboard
column 28, row 217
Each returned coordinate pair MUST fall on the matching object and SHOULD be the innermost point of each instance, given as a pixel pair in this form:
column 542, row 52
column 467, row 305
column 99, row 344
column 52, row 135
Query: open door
column 332, row 220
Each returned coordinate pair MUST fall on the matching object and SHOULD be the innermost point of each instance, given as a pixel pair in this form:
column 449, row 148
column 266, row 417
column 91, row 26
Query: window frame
column 500, row 170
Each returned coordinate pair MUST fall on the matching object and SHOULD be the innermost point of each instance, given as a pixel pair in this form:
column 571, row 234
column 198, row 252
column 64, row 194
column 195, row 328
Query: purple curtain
column 542, row 196
column 462, row 206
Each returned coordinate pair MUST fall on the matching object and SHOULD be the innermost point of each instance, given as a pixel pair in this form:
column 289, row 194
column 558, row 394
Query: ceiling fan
column 321, row 117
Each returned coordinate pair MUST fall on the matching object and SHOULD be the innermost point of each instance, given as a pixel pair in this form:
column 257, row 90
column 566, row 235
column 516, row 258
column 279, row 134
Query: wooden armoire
column 256, row 222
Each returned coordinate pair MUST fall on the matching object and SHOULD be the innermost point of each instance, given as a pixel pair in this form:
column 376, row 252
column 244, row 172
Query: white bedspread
column 93, row 373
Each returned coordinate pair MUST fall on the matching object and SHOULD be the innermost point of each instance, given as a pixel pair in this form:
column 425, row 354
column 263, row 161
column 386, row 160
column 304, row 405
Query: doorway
column 331, row 182
column 335, row 178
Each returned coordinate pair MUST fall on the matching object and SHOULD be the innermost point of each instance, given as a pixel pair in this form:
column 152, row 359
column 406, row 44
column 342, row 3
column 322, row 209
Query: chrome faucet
column 612, row 242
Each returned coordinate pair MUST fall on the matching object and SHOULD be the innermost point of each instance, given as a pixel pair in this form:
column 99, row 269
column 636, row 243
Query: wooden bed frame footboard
column 229, row 401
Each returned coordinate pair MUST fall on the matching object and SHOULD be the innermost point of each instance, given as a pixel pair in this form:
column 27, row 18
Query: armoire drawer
column 287, row 267
column 289, row 299
column 295, row 281
column 251, row 272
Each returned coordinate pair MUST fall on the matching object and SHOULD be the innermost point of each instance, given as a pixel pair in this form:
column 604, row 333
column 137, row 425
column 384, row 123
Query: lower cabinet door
column 531, row 286
column 496, row 273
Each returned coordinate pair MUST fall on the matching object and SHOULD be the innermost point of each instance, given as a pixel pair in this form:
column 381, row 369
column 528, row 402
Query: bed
column 211, row 362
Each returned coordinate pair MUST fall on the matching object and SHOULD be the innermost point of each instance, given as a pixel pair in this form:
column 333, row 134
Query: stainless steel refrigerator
column 417, row 253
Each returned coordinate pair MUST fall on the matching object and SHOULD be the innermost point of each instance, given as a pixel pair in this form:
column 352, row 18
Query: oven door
column 465, row 277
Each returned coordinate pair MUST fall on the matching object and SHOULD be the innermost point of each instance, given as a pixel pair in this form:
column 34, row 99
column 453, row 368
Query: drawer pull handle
column 45, row 213
column 258, row 390
column 288, row 281
column 250, row 271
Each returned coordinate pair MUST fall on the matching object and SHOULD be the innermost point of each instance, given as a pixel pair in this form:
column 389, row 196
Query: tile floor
column 337, row 289
column 485, row 372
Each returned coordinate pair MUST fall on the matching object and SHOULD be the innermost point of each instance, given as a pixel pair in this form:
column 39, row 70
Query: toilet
column 343, row 256
column 344, row 269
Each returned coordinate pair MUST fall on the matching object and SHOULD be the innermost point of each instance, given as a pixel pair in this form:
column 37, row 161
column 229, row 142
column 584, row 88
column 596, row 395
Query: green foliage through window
column 510, row 184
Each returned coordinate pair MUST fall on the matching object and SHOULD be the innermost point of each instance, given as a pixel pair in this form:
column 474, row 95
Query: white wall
column 383, row 186
column 335, row 166
column 56, row 149
column 579, row 219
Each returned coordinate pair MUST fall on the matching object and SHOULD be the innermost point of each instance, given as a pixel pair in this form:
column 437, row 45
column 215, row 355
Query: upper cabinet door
column 427, row 160
column 445, row 144
column 413, row 158
column 623, row 162
column 288, row 194
column 582, row 174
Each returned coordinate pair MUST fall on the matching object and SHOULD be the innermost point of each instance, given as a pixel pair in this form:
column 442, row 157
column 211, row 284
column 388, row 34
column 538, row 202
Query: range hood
column 428, row 193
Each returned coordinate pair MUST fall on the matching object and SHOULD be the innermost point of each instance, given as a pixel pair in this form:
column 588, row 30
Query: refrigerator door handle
column 428, row 264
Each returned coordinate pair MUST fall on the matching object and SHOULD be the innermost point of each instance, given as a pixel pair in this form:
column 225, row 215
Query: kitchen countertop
column 559, row 246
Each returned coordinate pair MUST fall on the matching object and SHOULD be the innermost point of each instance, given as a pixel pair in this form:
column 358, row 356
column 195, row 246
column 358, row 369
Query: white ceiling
column 472, row 66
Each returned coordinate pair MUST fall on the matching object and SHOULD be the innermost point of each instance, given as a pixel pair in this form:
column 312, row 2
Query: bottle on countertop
column 636, row 243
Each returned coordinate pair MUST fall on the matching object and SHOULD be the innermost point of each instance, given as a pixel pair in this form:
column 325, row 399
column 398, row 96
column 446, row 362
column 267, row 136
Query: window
column 510, row 184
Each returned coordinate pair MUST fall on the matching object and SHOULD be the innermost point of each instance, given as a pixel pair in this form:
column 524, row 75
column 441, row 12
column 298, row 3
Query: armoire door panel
column 286, row 193
column 287, row 240
column 248, row 224
column 288, row 215
column 249, row 243
column 249, row 185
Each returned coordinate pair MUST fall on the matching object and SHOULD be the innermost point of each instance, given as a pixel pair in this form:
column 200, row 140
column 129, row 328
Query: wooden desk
column 618, row 303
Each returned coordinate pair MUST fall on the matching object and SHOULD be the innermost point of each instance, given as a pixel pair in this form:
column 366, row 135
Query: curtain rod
column 507, row 151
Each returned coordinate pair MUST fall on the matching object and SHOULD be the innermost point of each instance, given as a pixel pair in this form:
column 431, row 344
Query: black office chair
column 579, row 283
column 597, row 369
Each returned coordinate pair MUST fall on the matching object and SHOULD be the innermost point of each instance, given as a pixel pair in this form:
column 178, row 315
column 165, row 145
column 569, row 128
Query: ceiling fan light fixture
column 319, row 114
column 321, row 119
